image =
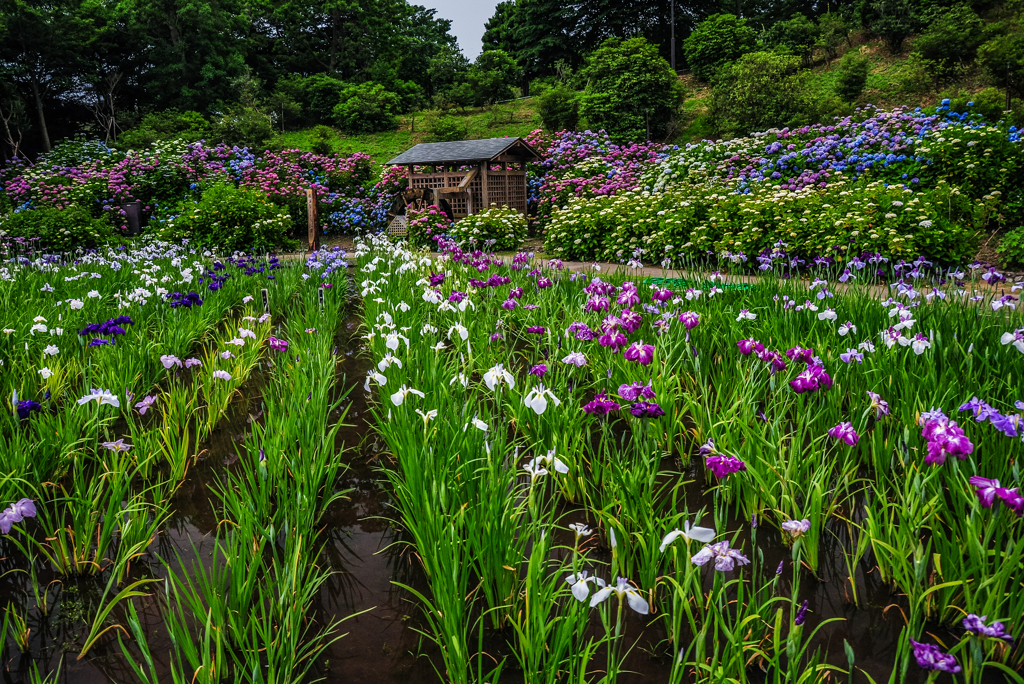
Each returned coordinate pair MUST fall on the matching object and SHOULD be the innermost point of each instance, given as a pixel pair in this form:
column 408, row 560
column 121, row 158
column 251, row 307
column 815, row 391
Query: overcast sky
column 468, row 19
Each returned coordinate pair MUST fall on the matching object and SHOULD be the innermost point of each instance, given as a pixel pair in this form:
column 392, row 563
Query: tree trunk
column 37, row 95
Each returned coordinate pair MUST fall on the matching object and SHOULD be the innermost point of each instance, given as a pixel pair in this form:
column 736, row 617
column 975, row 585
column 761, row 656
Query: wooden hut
column 470, row 175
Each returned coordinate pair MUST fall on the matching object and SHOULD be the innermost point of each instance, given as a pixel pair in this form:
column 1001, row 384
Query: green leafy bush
column 169, row 124
column 844, row 219
column 230, row 219
column 1011, row 249
column 493, row 76
column 445, row 126
column 717, row 40
column 952, row 39
column 506, row 227
column 797, row 35
column 559, row 109
column 891, row 20
column 632, row 92
column 58, row 229
column 245, row 127
column 851, row 76
column 1002, row 58
column 834, row 32
column 762, row 90
column 367, row 108
column 320, row 139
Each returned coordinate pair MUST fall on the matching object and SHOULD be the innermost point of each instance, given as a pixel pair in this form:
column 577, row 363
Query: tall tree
column 41, row 50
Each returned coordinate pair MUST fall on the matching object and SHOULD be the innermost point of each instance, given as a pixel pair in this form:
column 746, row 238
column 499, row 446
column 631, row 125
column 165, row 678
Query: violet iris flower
column 976, row 625
column 636, row 391
column 601, row 405
column 801, row 614
column 945, row 438
column 800, row 354
column 645, row 409
column 689, row 319
column 986, row 489
column 929, row 657
column 16, row 512
column 26, row 407
column 640, row 353
column 661, row 294
column 613, row 339
column 844, row 432
column 536, row 330
column 145, row 404
column 880, row 405
column 539, row 370
column 726, row 559
column 813, row 378
column 723, row 466
column 747, row 347
column 851, row 355
column 277, row 345
column 797, row 528
column 631, row 320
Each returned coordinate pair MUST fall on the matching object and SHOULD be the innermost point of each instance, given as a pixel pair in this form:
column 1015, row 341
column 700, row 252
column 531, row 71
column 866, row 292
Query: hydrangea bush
column 502, row 227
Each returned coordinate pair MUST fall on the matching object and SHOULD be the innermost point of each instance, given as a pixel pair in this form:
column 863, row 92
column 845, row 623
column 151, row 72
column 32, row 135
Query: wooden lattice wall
column 497, row 182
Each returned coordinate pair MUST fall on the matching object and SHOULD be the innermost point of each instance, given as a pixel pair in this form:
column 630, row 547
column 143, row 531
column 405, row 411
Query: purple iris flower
column 723, row 466
column 543, row 282
column 976, row 625
column 515, row 293
column 601, row 405
column 631, row 320
column 640, row 353
column 929, row 657
column 986, row 489
column 774, row 359
column 456, row 296
column 436, row 279
column 726, row 559
column 645, row 409
column 690, row 319
column 613, row 339
column 800, row 354
column 16, row 512
column 536, row 330
column 277, row 345
column 945, row 438
column 580, row 331
column 636, row 391
column 747, row 347
column 801, row 614
column 661, row 294
column 1013, row 499
column 628, row 297
column 851, row 355
column 844, row 432
column 596, row 304
column 880, row 405
column 26, row 407
column 813, row 378
column 145, row 405
column 1009, row 425
column 539, row 370
column 509, row 304
column 98, row 342
column 707, row 449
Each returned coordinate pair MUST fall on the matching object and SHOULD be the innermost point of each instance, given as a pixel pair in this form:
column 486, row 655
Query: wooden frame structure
column 471, row 174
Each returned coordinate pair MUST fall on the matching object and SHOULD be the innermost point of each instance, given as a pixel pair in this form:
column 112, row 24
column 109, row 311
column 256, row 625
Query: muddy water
column 364, row 551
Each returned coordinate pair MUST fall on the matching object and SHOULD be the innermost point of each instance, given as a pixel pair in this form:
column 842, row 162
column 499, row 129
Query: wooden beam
column 314, row 231
column 484, row 191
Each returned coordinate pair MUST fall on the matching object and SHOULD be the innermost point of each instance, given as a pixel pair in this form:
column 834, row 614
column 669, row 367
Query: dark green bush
column 1002, row 57
column 763, row 90
column 245, row 127
column 718, row 40
column 891, row 20
column 632, row 92
column 952, row 40
column 559, row 109
column 446, row 126
column 493, row 76
column 58, row 229
column 317, row 96
column 320, row 139
column 798, row 35
column 833, row 33
column 169, row 124
column 228, row 218
column 367, row 108
column 1011, row 249
column 851, row 76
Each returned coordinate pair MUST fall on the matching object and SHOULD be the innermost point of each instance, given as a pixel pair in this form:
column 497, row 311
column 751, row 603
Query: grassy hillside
column 513, row 119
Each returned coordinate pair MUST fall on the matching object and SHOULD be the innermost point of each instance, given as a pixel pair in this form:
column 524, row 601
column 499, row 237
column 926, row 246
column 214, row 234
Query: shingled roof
column 461, row 151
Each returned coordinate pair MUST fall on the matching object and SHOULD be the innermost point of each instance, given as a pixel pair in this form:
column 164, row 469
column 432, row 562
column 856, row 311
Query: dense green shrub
column 1011, row 249
column 367, row 108
column 58, row 229
column 493, row 76
column 834, row 32
column 320, row 139
column 891, row 20
column 316, row 94
column 952, row 40
column 762, row 90
column 169, row 124
column 851, row 76
column 245, row 127
column 842, row 220
column 797, row 35
column 228, row 218
column 559, row 109
column 506, row 227
column 1002, row 57
column 718, row 40
column 632, row 92
column 445, row 126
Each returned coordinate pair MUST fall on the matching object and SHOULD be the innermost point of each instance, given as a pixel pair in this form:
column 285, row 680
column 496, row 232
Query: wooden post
column 314, row 232
column 485, row 196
